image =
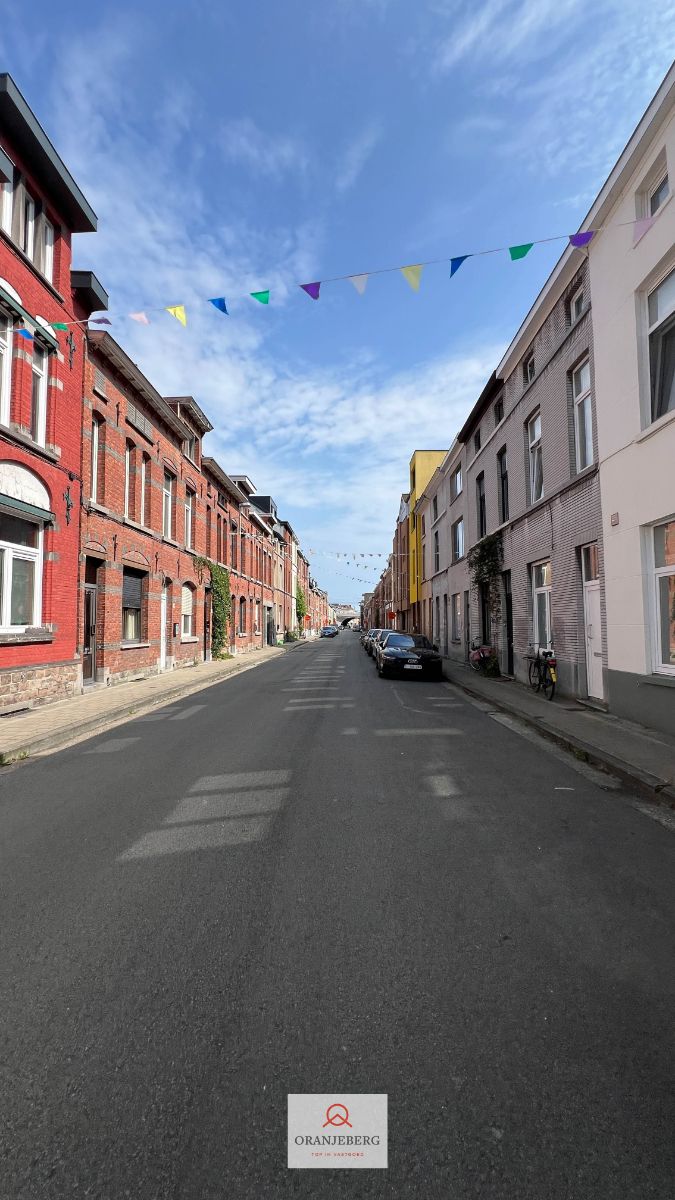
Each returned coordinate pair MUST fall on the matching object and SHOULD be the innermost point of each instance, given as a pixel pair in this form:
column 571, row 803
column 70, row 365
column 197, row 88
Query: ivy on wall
column 221, row 603
column 485, row 561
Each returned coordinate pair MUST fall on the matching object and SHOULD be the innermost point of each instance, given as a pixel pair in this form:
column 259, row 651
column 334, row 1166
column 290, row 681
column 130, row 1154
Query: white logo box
column 337, row 1129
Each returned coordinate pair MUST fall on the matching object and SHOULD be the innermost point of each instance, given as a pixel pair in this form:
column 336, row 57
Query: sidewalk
column 55, row 725
column 640, row 757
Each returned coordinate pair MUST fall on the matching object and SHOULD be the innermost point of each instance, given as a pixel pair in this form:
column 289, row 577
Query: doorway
column 163, row 617
column 592, row 621
column 207, row 626
column 508, row 621
column 89, row 644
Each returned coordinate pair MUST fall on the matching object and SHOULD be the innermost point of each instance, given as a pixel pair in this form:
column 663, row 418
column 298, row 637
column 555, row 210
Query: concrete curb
column 125, row 712
column 652, row 787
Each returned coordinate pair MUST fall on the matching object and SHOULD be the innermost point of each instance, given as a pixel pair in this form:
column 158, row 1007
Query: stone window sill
column 655, row 427
column 184, row 641
column 134, row 645
column 23, row 439
column 23, row 637
column 171, row 542
column 656, row 680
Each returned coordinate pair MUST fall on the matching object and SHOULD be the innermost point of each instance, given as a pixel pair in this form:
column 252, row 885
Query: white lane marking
column 227, row 804
column 188, row 712
column 321, row 704
column 312, row 699
column 418, row 733
column 244, row 779
column 351, row 729
column 113, row 745
column 443, row 785
column 188, row 838
column 311, row 687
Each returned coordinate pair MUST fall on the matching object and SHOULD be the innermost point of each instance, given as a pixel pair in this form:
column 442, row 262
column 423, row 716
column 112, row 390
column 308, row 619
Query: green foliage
column 221, row 604
column 485, row 561
column 291, row 635
column 300, row 603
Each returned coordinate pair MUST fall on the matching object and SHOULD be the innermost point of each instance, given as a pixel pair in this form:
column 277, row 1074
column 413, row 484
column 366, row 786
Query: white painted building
column 632, row 273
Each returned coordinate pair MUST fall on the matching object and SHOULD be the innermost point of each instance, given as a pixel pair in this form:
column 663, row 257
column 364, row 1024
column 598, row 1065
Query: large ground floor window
column 664, row 570
column 542, row 634
column 132, row 605
column 20, row 572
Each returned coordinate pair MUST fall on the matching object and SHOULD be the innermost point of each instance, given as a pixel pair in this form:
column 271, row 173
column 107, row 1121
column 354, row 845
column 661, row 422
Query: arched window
column 242, row 614
column 187, row 611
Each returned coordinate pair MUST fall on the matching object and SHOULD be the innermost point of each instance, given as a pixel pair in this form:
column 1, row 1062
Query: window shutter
column 132, row 589
column 186, row 601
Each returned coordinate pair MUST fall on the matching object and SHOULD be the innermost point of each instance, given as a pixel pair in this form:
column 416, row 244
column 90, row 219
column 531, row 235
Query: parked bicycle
column 543, row 672
column 483, row 659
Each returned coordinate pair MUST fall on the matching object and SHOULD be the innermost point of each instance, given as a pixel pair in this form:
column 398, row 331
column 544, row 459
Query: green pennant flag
column 261, row 297
column 520, row 251
column 59, row 325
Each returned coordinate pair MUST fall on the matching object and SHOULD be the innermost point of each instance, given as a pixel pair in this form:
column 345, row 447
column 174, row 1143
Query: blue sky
column 229, row 147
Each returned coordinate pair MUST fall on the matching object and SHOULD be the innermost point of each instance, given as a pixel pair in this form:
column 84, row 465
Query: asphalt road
column 307, row 879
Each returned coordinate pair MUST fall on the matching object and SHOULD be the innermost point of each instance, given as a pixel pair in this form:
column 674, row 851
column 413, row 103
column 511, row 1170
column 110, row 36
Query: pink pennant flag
column 360, row 282
column 640, row 227
column 140, row 317
column 312, row 289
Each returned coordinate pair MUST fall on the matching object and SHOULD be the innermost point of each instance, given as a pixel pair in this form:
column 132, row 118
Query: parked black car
column 408, row 654
column 329, row 631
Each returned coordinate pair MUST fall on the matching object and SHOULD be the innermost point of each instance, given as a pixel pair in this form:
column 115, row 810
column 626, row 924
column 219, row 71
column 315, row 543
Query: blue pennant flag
column 25, row 334
column 219, row 303
column 455, row 263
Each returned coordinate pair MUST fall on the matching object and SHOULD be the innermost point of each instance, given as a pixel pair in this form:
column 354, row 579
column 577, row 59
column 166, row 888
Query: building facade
column 422, row 466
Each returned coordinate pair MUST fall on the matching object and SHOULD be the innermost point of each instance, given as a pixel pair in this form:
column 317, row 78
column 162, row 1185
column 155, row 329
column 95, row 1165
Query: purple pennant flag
column 312, row 289
column 641, row 226
column 579, row 240
column 100, row 321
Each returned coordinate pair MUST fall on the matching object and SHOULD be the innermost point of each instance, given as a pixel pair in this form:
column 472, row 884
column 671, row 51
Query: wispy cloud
column 356, row 156
column 244, row 143
column 505, row 29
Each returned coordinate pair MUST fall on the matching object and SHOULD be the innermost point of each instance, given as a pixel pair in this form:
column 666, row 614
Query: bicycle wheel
column 534, row 675
column 547, row 682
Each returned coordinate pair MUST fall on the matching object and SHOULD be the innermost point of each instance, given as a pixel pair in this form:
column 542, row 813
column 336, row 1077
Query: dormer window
column 191, row 445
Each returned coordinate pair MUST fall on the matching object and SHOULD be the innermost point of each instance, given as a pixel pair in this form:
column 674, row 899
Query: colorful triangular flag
column 140, row 317
column 579, row 240
column 413, row 276
column 177, row 311
column 25, row 334
column 99, row 321
column 312, row 289
column 360, row 282
column 219, row 303
column 59, row 325
column 641, row 226
column 517, row 252
column 261, row 297
column 455, row 263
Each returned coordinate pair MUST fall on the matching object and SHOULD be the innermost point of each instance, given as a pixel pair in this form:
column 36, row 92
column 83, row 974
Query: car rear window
column 407, row 641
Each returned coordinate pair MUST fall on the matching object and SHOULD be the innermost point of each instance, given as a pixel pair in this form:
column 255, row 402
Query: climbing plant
column 221, row 602
column 300, row 603
column 485, row 561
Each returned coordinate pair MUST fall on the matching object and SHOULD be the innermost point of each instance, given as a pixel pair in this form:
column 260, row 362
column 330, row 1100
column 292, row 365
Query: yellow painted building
column 422, row 466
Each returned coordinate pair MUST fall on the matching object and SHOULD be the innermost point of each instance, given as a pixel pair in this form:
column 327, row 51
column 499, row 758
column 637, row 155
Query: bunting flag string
column 412, row 273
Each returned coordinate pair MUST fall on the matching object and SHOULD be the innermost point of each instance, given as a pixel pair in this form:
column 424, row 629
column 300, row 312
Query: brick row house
column 108, row 507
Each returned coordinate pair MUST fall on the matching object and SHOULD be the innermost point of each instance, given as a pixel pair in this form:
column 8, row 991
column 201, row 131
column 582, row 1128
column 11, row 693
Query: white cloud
column 506, row 29
column 245, row 143
column 356, row 156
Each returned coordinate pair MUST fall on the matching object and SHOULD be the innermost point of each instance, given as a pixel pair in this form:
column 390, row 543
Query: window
column 28, row 233
column 145, row 491
column 187, row 614
column 480, row 505
column 458, row 540
column 434, row 508
column 536, row 464
column 528, row 369
column 437, row 554
column 5, row 368
column 658, row 195
column 242, row 554
column 589, row 562
column 576, row 306
column 20, row 572
column 583, row 428
column 189, row 518
column 503, row 472
column 455, row 483
column 128, row 480
column 6, row 198
column 191, row 447
column 664, row 562
column 48, row 250
column 541, row 605
column 233, row 547
column 661, row 319
column 167, row 505
column 242, row 614
column 476, row 441
column 499, row 411
column 38, row 415
column 95, row 488
column 257, row 617
column 456, row 617
column 132, row 602
column 423, row 526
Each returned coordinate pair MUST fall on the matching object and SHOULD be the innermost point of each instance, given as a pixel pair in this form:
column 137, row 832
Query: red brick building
column 41, row 207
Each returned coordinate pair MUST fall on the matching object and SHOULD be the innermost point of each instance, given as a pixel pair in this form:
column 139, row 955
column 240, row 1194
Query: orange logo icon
column 340, row 1115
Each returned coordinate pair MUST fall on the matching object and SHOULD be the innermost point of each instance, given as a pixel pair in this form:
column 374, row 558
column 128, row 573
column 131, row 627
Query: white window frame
column 576, row 296
column 186, row 617
column 9, row 551
column 95, row 446
column 6, row 330
column 167, row 504
column 39, row 371
column 437, row 552
column 659, row 667
column 458, row 528
column 456, row 617
column 528, row 374
column 534, row 445
column 653, row 192
column 28, row 245
column 128, row 451
column 7, row 205
column 582, row 404
column 144, row 484
column 189, row 518
column 456, row 483
column 546, row 590
column 48, row 261
column 651, row 327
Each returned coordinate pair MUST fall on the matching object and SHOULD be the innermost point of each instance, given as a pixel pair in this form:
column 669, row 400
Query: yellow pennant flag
column 178, row 311
column 413, row 275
